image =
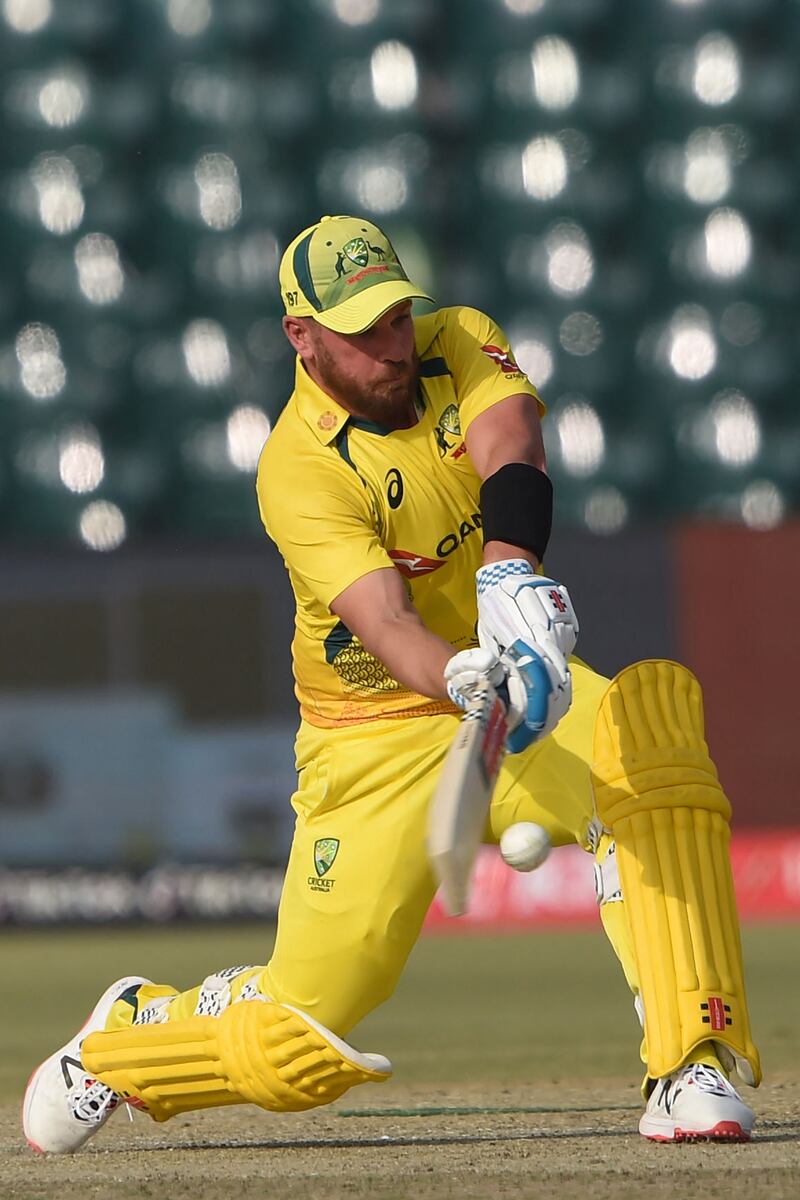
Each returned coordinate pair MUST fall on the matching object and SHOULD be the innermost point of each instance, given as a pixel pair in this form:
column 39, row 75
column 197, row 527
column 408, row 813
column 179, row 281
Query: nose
column 392, row 346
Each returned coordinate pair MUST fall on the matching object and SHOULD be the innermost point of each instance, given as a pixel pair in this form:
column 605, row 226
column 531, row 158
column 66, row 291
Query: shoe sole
column 723, row 1131
column 30, row 1087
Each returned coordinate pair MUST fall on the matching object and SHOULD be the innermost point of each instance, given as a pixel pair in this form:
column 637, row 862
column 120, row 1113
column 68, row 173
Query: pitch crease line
column 468, row 1111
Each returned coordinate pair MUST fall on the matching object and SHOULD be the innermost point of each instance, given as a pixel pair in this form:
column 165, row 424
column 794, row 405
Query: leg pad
column 255, row 1052
column 657, row 790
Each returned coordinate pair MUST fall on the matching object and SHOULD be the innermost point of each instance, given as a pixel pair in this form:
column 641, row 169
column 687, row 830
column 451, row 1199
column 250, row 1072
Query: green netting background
column 615, row 181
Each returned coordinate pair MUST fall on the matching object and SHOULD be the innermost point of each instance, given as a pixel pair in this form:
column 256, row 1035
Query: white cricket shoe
column 63, row 1104
column 696, row 1104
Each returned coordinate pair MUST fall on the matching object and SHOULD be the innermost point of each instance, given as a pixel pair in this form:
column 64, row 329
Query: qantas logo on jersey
column 451, row 541
column 503, row 358
column 412, row 565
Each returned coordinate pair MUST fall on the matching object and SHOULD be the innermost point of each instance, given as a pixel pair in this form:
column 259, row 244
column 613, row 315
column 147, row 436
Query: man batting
column 405, row 485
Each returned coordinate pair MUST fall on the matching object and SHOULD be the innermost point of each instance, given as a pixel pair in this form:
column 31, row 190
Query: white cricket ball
column 525, row 846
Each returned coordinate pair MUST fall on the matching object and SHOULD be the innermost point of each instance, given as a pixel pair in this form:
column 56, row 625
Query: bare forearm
column 380, row 613
column 412, row 654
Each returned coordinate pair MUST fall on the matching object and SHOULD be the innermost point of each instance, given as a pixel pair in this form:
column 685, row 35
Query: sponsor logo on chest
column 412, row 565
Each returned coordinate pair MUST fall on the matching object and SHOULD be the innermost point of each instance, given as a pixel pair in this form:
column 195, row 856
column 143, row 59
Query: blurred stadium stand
column 616, row 182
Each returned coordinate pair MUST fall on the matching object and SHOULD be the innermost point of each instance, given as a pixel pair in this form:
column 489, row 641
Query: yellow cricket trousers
column 358, row 883
column 363, row 793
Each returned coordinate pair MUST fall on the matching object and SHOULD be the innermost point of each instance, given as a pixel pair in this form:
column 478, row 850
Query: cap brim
column 358, row 312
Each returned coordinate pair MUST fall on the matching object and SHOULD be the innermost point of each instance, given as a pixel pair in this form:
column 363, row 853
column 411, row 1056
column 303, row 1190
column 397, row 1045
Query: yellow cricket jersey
column 342, row 497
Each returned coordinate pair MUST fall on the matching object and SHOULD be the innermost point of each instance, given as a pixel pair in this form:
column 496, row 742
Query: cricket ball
column 525, row 846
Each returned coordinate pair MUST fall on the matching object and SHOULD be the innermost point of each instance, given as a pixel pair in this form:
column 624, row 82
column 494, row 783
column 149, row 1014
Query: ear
column 299, row 335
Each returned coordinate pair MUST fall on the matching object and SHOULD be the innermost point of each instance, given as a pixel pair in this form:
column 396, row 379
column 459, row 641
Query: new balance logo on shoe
column 670, row 1090
column 66, row 1063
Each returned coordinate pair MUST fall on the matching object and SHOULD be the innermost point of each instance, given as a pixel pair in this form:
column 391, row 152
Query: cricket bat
column 460, row 804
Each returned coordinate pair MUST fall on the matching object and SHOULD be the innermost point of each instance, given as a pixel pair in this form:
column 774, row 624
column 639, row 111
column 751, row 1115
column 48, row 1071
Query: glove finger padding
column 468, row 670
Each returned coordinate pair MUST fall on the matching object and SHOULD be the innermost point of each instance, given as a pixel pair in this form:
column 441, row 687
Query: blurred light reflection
column 42, row 373
column 58, row 189
column 381, row 187
column 189, row 18
column 81, row 464
column 544, row 168
column 356, row 12
column 62, row 100
column 707, row 168
column 534, row 357
column 393, row 71
column 737, row 430
column 580, row 333
column 762, row 505
column 205, row 352
column 605, row 511
column 102, row 525
column 570, row 265
column 27, row 16
column 716, row 69
column 727, row 243
column 219, row 197
column 100, row 275
column 580, row 436
column 247, row 430
column 692, row 347
column 524, row 8
column 556, row 75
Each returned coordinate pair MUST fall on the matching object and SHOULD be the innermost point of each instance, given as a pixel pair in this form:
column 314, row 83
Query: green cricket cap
column 344, row 273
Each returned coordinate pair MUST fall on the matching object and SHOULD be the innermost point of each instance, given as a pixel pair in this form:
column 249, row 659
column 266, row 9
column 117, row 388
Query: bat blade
column 460, row 804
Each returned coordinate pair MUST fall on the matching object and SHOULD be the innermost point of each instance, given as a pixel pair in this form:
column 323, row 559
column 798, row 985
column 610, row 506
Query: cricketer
column 405, row 485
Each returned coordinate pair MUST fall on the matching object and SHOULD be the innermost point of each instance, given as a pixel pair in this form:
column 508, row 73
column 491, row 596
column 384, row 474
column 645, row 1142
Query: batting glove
column 515, row 605
column 519, row 677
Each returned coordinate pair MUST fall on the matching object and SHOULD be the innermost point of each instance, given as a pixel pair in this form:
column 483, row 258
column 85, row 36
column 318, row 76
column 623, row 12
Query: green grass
column 469, row 1008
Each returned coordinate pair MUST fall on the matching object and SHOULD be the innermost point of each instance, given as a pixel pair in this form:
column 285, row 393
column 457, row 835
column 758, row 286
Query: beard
column 386, row 400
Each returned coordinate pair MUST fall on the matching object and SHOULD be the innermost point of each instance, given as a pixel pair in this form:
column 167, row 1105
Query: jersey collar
column 322, row 414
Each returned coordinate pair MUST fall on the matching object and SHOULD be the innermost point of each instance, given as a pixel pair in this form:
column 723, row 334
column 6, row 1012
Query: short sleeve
column 321, row 520
column 483, row 365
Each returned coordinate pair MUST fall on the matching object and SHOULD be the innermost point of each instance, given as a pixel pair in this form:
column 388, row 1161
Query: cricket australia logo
column 450, row 420
column 449, row 423
column 325, row 851
column 357, row 251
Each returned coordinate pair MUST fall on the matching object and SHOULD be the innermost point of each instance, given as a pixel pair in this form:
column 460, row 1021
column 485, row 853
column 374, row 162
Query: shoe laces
column 708, row 1079
column 94, row 1102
